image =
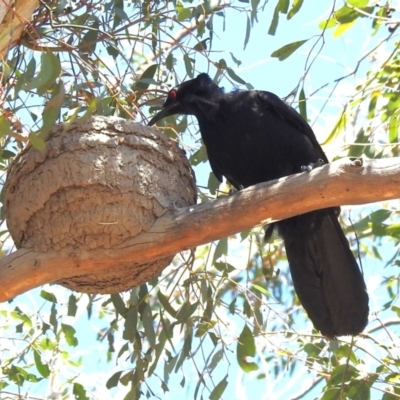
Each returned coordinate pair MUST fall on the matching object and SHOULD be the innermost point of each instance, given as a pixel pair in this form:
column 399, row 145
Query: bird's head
column 183, row 98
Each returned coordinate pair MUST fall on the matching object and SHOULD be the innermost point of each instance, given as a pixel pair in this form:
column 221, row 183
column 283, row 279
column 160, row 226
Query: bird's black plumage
column 252, row 137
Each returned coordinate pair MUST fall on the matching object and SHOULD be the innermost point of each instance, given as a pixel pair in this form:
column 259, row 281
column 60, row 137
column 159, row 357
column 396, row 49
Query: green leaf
column 182, row 12
column 148, row 321
column 48, row 296
column 89, row 41
column 248, row 31
column 114, row 380
column 235, row 77
column 213, row 183
column 295, row 8
column 146, row 78
column 130, row 325
column 165, row 303
column 342, row 28
column 221, row 249
column 43, row 369
column 331, row 393
column 36, row 142
column 281, row 7
column 170, row 62
column 69, row 334
column 232, row 306
column 337, row 128
column 303, row 104
column 51, row 111
column 186, row 310
column 261, row 290
column 188, row 65
column 53, row 318
column 72, row 306
column 393, row 129
column 246, row 348
column 79, row 392
column 287, row 50
column 50, row 69
column 119, row 304
column 217, row 357
column 202, row 45
column 219, row 389
column 254, row 5
column 5, row 127
column 328, row 23
column 358, row 3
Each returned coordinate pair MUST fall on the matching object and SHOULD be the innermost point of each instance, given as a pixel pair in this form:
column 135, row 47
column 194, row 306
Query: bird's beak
column 165, row 112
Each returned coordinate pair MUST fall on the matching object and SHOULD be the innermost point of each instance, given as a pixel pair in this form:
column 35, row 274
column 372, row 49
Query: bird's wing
column 283, row 111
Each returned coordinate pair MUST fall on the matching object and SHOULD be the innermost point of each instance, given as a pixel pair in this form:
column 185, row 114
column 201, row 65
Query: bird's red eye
column 172, row 94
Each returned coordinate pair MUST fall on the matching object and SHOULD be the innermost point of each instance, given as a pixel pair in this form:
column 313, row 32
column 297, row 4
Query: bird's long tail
column 326, row 276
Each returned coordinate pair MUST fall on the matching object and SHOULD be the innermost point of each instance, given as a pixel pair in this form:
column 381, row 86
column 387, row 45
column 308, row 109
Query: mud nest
column 95, row 185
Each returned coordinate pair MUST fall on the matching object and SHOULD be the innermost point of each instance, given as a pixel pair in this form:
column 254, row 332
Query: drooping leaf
column 248, row 31
column 146, row 79
column 218, row 391
column 246, row 348
column 235, row 77
column 72, row 306
column 342, row 28
column 48, row 296
column 213, row 183
column 303, row 104
column 79, row 392
column 90, row 38
column 295, row 8
column 165, row 303
column 69, row 333
column 221, row 249
column 287, row 50
column 148, row 325
column 114, row 380
column 188, row 65
column 42, row 368
column 358, row 3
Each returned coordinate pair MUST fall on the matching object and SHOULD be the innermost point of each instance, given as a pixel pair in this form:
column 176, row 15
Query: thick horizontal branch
column 339, row 183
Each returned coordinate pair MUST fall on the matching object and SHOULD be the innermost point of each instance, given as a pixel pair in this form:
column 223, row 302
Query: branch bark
column 14, row 15
column 339, row 183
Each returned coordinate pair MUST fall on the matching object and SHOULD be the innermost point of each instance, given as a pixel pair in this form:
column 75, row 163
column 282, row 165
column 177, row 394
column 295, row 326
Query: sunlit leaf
column 342, row 28
column 218, row 391
column 48, row 296
column 245, row 349
column 69, row 334
column 287, row 50
column 42, row 368
column 79, row 392
column 358, row 3
column 295, row 8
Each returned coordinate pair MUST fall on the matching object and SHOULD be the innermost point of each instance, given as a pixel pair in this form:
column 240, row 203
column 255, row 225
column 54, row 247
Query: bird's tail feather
column 325, row 274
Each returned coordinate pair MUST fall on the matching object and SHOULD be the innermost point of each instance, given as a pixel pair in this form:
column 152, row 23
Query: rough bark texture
column 95, row 185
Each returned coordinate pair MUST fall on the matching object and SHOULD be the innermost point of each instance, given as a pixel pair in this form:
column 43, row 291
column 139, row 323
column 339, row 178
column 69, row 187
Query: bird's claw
column 308, row 168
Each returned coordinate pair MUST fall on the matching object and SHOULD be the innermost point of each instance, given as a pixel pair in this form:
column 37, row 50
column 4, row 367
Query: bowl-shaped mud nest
column 95, row 185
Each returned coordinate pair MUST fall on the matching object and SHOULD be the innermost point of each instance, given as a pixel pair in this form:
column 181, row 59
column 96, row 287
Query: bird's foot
column 308, row 168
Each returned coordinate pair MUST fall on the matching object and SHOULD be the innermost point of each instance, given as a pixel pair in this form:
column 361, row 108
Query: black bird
column 252, row 137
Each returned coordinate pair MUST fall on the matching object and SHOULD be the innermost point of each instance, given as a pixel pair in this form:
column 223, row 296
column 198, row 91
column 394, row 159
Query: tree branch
column 338, row 183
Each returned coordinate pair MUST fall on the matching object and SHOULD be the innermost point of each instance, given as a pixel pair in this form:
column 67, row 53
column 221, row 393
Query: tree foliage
column 227, row 311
